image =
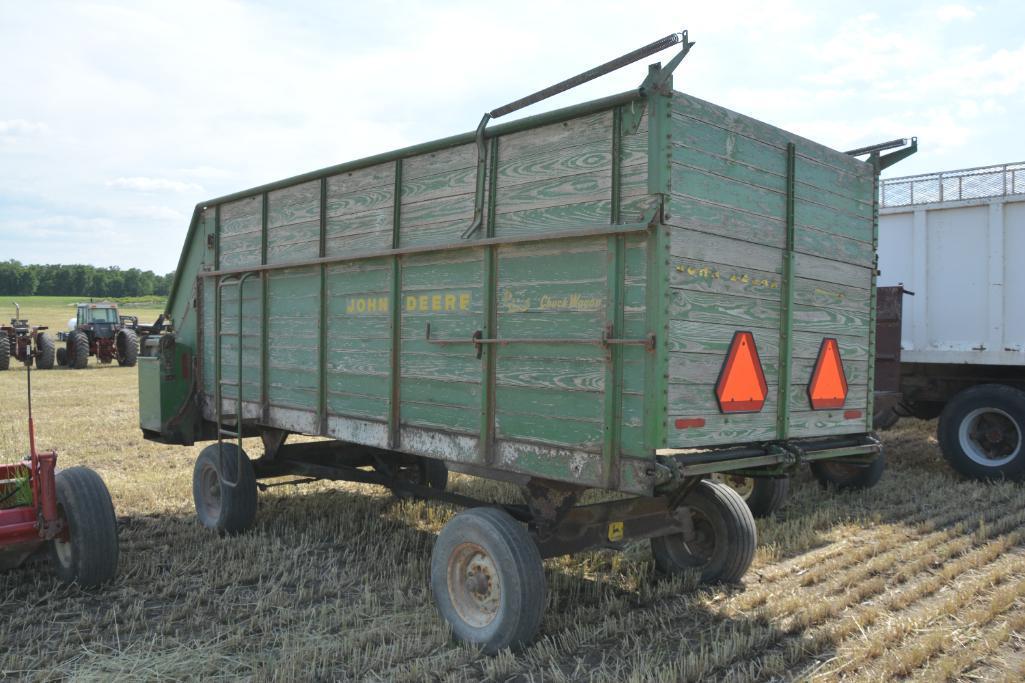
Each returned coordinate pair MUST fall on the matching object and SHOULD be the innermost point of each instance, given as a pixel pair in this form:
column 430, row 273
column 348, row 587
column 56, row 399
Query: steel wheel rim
column 210, row 487
column 985, row 433
column 744, row 486
column 700, row 550
column 474, row 585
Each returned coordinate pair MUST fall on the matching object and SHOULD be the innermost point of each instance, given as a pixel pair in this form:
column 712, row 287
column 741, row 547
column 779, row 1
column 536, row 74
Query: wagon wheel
column 488, row 579
column 87, row 550
column 763, row 495
column 847, row 476
column 722, row 545
column 412, row 469
column 219, row 505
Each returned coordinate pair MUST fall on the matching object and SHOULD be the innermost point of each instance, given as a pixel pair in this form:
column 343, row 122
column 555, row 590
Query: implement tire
column 226, row 509
column 488, row 580
column 846, row 476
column 724, row 537
column 126, row 348
column 763, row 495
column 981, row 432
column 88, row 554
column 46, row 351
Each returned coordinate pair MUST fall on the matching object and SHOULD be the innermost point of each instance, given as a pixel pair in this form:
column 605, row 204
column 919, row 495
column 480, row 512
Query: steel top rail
column 980, row 182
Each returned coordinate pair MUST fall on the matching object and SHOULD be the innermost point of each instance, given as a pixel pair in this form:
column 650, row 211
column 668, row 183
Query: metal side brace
column 563, row 86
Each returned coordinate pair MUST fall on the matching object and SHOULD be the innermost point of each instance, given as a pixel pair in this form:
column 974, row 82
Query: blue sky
column 117, row 118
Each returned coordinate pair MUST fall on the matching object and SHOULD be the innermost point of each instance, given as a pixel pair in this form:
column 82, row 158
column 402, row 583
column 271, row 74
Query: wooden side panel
column 552, row 392
column 360, row 210
column 440, row 385
column 358, row 340
column 728, row 220
column 438, row 191
column 293, row 328
column 241, row 238
column 293, row 223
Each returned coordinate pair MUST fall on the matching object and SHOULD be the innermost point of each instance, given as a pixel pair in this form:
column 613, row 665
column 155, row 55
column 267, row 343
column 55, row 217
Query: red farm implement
column 67, row 513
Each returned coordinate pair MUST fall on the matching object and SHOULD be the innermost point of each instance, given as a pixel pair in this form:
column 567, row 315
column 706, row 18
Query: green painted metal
column 489, row 354
column 395, row 322
column 786, row 334
column 264, row 295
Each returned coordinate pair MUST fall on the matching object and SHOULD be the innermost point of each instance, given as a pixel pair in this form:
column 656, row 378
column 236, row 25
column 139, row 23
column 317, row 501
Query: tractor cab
column 101, row 319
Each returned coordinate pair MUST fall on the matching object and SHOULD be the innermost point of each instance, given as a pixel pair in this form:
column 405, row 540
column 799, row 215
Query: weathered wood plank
column 715, row 249
column 380, row 175
column 737, row 311
column 588, row 128
column 295, row 204
column 691, row 107
column 715, row 278
column 242, row 215
column 816, row 293
column 561, row 432
column 552, row 192
column 830, row 321
column 551, row 373
column 440, row 161
column 698, row 215
column 826, row 270
column 463, row 394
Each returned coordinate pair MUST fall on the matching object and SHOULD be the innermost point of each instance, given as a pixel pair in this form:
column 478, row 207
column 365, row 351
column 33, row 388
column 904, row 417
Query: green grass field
column 922, row 577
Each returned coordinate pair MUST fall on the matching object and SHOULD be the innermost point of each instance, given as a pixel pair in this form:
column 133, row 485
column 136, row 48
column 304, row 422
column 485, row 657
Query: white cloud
column 22, row 127
column 144, row 184
column 948, row 13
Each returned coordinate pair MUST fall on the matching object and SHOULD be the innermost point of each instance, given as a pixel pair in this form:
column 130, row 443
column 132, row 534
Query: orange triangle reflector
column 741, row 387
column 828, row 386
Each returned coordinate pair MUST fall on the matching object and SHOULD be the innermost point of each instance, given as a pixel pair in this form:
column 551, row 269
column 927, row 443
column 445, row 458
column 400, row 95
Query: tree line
column 19, row 279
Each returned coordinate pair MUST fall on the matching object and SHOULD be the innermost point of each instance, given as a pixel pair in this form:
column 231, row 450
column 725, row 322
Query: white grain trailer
column 956, row 240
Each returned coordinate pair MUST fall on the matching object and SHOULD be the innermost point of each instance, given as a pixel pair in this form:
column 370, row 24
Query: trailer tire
column 488, row 580
column 62, row 356
column 127, row 348
column 763, row 495
column 725, row 537
column 45, row 351
column 77, row 350
column 5, row 351
column 847, row 476
column 981, row 432
column 219, row 506
column 89, row 555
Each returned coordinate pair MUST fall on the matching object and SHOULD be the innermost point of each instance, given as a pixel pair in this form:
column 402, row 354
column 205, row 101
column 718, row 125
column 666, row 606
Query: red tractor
column 67, row 513
column 16, row 341
column 99, row 331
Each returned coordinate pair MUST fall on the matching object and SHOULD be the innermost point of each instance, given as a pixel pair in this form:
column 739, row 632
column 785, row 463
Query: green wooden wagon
column 630, row 294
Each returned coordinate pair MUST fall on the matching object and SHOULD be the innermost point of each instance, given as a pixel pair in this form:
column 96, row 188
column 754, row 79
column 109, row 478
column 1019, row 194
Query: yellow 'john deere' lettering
column 366, row 304
column 438, row 303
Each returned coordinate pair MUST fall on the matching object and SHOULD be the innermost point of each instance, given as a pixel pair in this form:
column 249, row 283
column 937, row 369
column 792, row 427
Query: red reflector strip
column 689, row 423
column 851, row 414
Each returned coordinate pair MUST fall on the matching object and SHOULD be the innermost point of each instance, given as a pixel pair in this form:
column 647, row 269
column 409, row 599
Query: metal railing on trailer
column 982, row 182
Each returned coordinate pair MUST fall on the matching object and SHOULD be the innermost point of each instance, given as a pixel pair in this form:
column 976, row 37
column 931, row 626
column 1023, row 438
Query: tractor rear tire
column 77, row 350
column 763, row 495
column 488, row 579
column 88, row 556
column 847, row 476
column 127, row 348
column 226, row 509
column 45, row 351
column 5, row 351
column 724, row 537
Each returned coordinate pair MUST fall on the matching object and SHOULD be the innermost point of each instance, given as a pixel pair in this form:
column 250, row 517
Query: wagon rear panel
column 728, row 272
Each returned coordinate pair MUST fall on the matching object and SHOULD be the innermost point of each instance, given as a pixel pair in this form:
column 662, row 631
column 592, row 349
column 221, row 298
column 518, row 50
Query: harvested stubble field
column 922, row 577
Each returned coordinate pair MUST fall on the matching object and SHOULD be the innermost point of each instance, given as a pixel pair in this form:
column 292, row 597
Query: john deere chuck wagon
column 629, row 294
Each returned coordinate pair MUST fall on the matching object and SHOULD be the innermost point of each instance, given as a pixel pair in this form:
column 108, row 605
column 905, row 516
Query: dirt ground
column 921, row 577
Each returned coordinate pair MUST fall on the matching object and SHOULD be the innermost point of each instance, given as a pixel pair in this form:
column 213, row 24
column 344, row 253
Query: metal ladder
column 229, row 281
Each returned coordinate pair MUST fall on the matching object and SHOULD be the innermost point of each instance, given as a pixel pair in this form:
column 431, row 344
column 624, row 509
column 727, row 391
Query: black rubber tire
column 45, row 351
column 885, row 419
column 845, row 476
column 62, row 356
column 5, row 351
column 227, row 510
column 89, row 556
column 126, row 348
column 513, row 557
column 768, row 495
column 726, row 530
column 77, row 350
column 427, row 472
column 1010, row 402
